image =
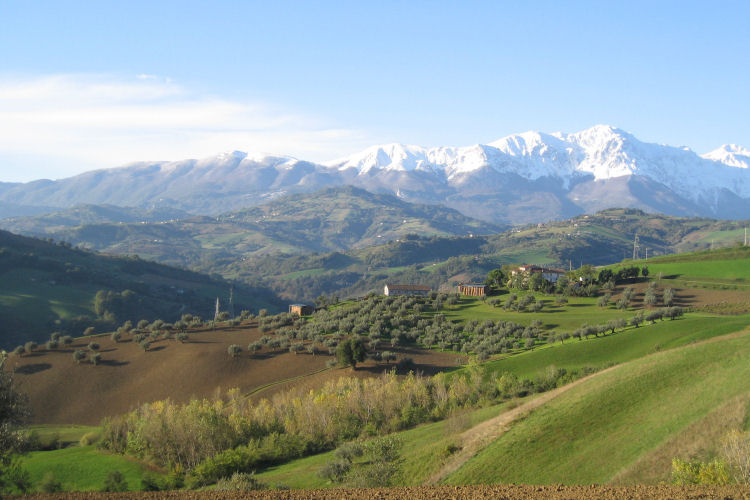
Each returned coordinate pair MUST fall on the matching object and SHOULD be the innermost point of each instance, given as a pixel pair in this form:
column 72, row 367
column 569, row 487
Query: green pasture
column 82, row 468
column 625, row 345
column 597, row 429
column 424, row 450
column 568, row 317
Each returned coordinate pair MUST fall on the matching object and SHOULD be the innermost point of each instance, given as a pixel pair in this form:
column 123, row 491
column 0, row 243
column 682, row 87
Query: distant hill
column 604, row 238
column 335, row 219
column 49, row 287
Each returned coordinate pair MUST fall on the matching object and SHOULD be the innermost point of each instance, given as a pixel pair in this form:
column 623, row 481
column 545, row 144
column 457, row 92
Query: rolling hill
column 335, row 219
column 48, row 287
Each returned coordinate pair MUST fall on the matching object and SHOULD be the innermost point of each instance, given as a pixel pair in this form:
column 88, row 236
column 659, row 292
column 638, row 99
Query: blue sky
column 99, row 84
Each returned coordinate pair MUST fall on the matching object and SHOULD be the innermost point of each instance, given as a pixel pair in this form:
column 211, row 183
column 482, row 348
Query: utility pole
column 646, row 253
column 635, row 247
column 745, row 236
column 216, row 313
column 231, row 301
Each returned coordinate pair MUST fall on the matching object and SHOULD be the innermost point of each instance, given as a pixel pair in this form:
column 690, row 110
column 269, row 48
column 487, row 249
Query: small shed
column 301, row 309
column 473, row 289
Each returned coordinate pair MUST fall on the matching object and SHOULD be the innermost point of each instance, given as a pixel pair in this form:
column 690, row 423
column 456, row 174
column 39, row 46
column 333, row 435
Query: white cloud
column 101, row 121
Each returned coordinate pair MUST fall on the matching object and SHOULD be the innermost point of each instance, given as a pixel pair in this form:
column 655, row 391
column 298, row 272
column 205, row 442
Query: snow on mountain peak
column 730, row 154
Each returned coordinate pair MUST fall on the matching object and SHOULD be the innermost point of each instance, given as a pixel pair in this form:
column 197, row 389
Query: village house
column 472, row 289
column 301, row 309
column 548, row 273
column 391, row 290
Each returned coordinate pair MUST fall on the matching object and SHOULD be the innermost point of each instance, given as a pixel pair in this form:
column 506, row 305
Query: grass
column 423, row 451
column 623, row 346
column 81, row 468
column 596, row 429
column 64, row 433
column 578, row 311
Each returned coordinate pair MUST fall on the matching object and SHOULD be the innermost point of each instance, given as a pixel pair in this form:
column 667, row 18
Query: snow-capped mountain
column 524, row 177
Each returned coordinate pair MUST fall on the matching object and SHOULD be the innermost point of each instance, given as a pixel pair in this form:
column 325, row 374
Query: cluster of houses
column 468, row 289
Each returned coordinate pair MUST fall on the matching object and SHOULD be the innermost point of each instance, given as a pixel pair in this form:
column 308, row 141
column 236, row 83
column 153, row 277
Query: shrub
column 49, row 484
column 115, row 481
column 29, row 346
column 95, row 358
column 79, row 355
column 19, row 350
column 67, row 339
column 89, row 438
column 145, row 345
column 240, row 481
column 51, row 344
column 182, row 337
column 116, row 336
column 234, row 350
column 93, row 346
column 89, row 331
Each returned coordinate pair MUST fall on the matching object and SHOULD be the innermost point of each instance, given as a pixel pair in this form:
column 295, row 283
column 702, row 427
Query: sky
column 87, row 85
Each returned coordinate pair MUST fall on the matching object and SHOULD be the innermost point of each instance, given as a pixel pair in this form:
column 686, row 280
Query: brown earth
column 63, row 392
column 521, row 492
column 684, row 297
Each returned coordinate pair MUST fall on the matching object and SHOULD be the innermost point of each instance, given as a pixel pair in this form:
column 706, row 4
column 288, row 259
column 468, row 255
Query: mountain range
column 527, row 177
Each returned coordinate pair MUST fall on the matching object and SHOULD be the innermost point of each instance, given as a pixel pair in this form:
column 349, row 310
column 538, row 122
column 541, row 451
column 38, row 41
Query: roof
column 474, row 285
column 408, row 287
column 299, row 305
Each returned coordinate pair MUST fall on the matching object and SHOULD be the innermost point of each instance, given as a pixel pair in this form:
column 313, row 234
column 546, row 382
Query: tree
column 234, row 350
column 79, row 355
column 115, row 481
column 668, row 297
column 13, row 413
column 351, row 351
column 95, row 358
column 644, row 272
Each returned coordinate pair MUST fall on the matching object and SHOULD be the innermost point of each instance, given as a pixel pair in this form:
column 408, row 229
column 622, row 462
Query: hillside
column 50, row 287
column 335, row 219
column 598, row 239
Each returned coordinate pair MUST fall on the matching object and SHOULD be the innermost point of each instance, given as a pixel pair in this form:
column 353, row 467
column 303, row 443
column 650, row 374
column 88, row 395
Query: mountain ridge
column 521, row 178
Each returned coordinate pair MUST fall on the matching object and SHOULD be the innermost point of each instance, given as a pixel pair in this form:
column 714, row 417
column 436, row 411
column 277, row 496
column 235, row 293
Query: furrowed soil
column 63, row 392
column 448, row 492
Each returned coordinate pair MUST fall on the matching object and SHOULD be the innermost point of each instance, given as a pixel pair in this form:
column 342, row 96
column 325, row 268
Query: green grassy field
column 423, row 451
column 596, row 429
column 577, row 311
column 623, row 346
column 728, row 264
column 81, row 468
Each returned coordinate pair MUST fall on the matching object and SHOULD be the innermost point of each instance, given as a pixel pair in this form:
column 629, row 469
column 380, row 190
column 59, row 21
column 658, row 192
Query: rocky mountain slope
column 524, row 177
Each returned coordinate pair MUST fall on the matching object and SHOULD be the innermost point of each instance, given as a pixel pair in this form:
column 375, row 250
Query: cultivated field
column 64, row 392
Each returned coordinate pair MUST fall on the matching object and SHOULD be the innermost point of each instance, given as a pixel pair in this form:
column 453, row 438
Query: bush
column 89, row 438
column 115, row 481
column 95, row 358
column 79, row 355
column 234, row 350
column 67, row 339
column 49, row 484
column 240, row 481
column 93, row 346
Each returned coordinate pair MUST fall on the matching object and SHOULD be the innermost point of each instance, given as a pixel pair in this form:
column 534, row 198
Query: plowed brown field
column 447, row 492
column 63, row 392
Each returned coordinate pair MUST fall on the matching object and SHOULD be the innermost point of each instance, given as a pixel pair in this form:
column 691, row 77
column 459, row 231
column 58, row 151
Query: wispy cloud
column 103, row 121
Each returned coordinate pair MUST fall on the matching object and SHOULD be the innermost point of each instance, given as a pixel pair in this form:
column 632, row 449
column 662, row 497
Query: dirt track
column 449, row 492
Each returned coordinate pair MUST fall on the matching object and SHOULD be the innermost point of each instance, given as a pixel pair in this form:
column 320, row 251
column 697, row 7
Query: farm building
column 301, row 309
column 406, row 290
column 548, row 273
column 472, row 289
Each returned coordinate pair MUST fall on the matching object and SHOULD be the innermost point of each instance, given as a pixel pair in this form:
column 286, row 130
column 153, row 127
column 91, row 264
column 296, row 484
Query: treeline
column 212, row 439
